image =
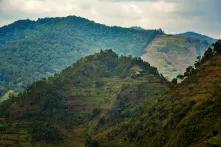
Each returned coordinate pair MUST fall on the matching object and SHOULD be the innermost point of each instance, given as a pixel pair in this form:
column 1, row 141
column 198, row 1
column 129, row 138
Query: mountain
column 31, row 50
column 110, row 100
column 172, row 54
column 137, row 28
column 187, row 115
column 94, row 90
column 198, row 36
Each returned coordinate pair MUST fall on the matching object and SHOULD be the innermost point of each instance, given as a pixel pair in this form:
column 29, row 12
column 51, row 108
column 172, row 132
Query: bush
column 181, row 77
column 45, row 132
column 217, row 46
column 208, row 54
column 174, row 81
column 99, row 84
column 91, row 142
column 189, row 71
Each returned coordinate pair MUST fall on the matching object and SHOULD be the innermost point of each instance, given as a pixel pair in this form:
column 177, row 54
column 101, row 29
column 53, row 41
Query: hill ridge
column 44, row 49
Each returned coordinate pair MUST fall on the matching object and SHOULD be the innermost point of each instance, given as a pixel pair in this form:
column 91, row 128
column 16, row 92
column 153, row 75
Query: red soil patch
column 76, row 103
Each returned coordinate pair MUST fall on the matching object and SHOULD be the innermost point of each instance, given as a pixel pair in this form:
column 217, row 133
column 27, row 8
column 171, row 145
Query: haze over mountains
column 31, row 50
column 172, row 54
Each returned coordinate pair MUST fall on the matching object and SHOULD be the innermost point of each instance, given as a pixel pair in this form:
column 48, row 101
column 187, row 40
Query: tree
column 99, row 84
column 217, row 46
column 208, row 54
column 91, row 142
column 174, row 81
column 45, row 131
column 189, row 71
column 197, row 63
column 181, row 77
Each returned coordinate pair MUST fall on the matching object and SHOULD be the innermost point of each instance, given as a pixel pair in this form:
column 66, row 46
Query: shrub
column 174, row 81
column 99, row 84
column 46, row 132
column 91, row 142
column 189, row 71
column 217, row 46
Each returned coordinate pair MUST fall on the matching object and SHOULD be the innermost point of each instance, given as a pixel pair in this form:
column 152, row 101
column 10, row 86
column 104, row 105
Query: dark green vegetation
column 31, row 50
column 98, row 88
column 188, row 115
column 107, row 100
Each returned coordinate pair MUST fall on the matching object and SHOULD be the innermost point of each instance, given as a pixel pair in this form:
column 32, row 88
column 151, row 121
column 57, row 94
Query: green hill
column 62, row 109
column 110, row 100
column 188, row 115
column 31, row 50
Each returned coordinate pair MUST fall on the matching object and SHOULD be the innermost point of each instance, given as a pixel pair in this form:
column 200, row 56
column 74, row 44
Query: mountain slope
column 188, row 115
column 197, row 36
column 51, row 111
column 108, row 100
column 172, row 54
column 31, row 50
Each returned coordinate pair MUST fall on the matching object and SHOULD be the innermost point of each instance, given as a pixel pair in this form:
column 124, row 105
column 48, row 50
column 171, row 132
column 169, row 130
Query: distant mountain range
column 197, row 36
column 31, row 50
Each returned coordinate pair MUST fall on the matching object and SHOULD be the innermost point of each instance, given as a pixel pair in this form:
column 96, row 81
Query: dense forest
column 109, row 100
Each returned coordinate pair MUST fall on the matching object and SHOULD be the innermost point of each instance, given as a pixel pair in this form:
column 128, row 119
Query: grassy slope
column 202, row 124
column 189, row 115
column 172, row 54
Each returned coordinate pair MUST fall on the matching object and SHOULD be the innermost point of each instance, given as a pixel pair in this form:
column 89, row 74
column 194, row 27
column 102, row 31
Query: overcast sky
column 173, row 16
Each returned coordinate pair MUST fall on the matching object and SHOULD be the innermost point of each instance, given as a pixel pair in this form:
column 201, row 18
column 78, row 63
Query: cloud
column 139, row 0
column 171, row 15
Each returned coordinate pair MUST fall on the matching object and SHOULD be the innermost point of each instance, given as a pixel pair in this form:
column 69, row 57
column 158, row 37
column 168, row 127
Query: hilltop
column 103, row 86
column 32, row 50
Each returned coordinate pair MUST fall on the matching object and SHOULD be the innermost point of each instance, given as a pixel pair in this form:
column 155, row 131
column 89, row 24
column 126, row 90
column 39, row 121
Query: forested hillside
column 31, row 50
column 62, row 109
column 107, row 100
column 188, row 115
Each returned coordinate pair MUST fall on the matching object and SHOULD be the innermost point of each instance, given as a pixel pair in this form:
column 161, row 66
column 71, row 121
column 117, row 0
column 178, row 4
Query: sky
column 173, row 16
